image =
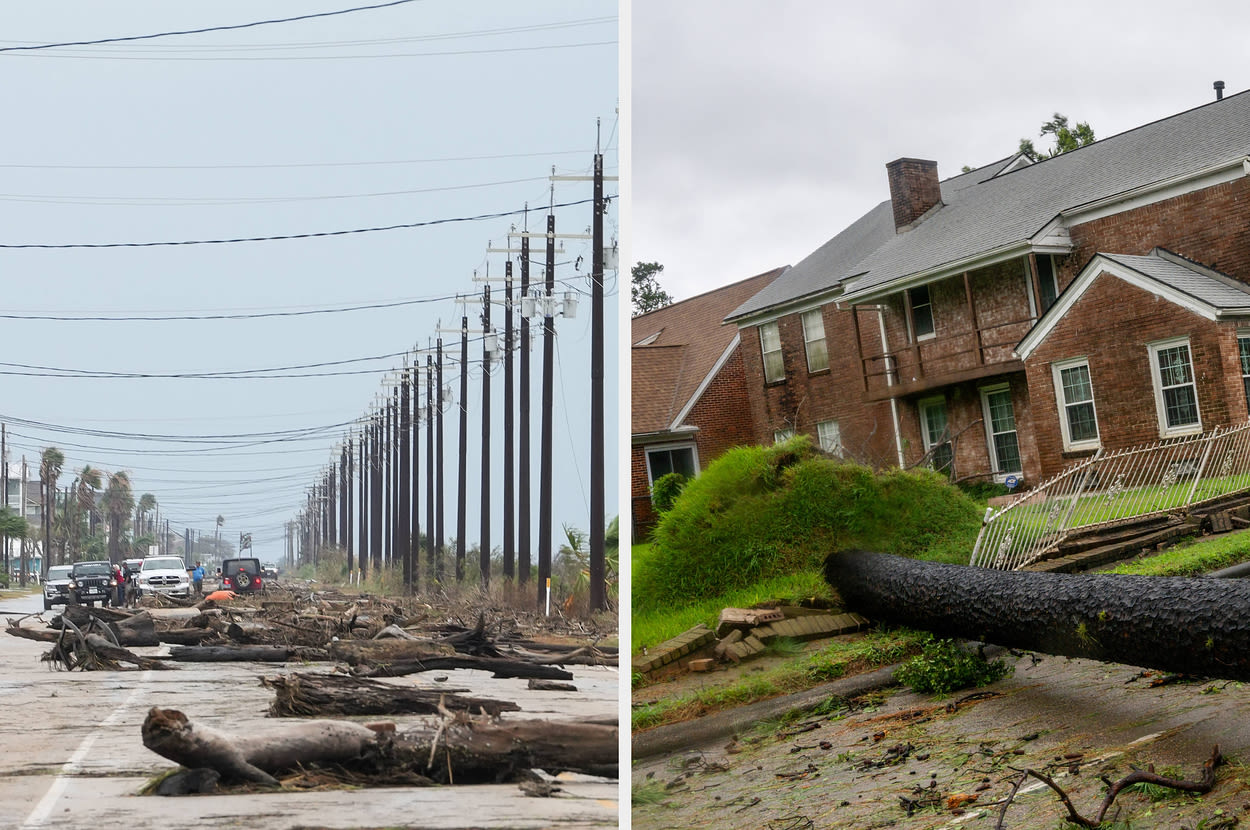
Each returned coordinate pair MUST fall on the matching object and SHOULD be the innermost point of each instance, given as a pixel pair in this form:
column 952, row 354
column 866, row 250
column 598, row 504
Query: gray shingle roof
column 1204, row 284
column 982, row 214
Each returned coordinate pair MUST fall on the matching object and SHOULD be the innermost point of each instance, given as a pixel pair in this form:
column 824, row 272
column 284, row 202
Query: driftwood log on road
column 304, row 694
column 457, row 751
column 1178, row 624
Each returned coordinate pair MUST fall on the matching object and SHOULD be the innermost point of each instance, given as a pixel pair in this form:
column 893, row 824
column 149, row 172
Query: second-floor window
column 921, row 312
column 1046, row 282
column 814, row 341
column 1075, row 393
column 1176, row 395
column 770, row 348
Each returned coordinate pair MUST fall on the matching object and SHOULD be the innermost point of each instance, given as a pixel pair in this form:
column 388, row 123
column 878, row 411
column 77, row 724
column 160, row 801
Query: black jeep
column 243, row 576
column 91, row 582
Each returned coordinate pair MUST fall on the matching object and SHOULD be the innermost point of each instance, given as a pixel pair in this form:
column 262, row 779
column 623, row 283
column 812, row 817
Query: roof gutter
column 1225, row 171
column 776, row 312
column 1004, row 252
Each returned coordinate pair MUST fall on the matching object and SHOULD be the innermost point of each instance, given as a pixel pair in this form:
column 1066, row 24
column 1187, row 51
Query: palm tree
column 12, row 526
column 89, row 482
column 50, row 463
column 147, row 503
column 118, row 501
column 221, row 520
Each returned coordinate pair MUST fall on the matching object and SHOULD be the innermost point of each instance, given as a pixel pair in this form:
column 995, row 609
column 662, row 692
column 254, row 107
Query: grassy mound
column 757, row 512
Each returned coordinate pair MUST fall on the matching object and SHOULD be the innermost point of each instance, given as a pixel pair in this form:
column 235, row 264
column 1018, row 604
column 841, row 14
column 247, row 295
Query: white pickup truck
column 164, row 575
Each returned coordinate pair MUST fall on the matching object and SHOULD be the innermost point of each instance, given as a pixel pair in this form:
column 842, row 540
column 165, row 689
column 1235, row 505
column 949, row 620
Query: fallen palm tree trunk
column 460, row 751
column 388, row 650
column 128, row 629
column 244, row 654
column 1179, row 624
column 481, row 752
column 305, row 694
column 500, row 668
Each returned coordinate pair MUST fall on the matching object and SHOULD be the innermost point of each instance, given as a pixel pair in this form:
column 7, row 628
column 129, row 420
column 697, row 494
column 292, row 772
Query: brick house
column 1013, row 319
column 689, row 398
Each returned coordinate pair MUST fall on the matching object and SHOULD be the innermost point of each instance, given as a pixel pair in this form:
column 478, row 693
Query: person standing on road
column 197, row 578
column 119, row 587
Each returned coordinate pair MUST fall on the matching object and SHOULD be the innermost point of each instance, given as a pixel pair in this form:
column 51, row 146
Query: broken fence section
column 1115, row 487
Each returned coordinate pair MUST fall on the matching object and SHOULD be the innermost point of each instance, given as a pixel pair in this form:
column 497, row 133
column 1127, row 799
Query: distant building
column 689, row 397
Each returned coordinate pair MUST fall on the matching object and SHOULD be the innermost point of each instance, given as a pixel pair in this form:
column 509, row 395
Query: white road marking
column 43, row 809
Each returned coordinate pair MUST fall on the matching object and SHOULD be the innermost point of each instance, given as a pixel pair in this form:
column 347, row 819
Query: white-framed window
column 780, row 436
column 770, row 348
column 933, row 430
column 1000, row 429
column 1243, row 353
column 814, row 341
column 921, row 312
column 671, row 458
column 830, row 437
column 1074, row 393
column 1176, row 394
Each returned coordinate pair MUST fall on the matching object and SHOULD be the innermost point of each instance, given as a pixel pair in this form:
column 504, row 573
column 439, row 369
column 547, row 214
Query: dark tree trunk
column 500, row 668
column 457, row 752
column 305, row 694
column 244, row 654
column 1178, row 624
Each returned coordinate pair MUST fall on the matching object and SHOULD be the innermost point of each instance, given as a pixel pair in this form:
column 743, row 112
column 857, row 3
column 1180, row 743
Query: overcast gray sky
column 421, row 112
column 760, row 130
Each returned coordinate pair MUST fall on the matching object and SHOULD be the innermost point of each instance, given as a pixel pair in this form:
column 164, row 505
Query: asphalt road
column 71, row 755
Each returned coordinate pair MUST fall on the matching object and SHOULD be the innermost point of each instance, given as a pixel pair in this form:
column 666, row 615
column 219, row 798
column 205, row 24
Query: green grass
column 844, row 656
column 1192, row 558
column 650, row 627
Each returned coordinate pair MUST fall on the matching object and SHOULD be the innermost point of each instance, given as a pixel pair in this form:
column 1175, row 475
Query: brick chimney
column 914, row 188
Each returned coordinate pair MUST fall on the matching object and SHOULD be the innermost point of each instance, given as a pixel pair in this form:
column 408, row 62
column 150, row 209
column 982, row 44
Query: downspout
column 889, row 381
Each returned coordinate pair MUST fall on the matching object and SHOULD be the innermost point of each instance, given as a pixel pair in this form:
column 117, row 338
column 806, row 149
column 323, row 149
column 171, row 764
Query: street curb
column 705, row 730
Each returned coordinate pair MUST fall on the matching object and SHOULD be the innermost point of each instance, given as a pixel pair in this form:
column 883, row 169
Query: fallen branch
column 1203, row 785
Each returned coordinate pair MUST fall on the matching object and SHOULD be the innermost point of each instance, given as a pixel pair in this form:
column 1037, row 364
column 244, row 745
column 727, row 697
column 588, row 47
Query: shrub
column 757, row 512
column 665, row 490
column 943, row 666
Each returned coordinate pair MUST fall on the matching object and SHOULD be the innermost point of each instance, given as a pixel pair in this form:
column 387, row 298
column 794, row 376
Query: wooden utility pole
column 404, row 503
column 598, row 584
column 431, row 553
column 440, row 504
column 461, row 491
column 544, row 469
column 523, row 429
column 484, row 543
column 509, row 472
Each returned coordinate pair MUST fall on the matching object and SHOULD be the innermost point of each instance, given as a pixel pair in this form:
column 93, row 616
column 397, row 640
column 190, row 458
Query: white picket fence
column 1116, row 487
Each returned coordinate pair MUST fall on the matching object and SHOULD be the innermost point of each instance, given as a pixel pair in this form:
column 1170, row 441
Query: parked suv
column 91, row 582
column 56, row 586
column 164, row 575
column 243, row 576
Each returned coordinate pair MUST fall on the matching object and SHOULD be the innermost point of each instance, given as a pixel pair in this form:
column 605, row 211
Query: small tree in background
column 645, row 292
column 1066, row 138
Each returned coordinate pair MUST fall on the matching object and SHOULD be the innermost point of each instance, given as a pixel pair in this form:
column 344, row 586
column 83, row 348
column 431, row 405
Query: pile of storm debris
column 367, row 639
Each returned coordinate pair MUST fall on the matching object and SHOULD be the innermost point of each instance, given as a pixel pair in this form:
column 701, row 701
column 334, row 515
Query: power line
column 446, row 54
column 275, row 238
column 223, row 316
column 436, row 160
column 223, row 28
